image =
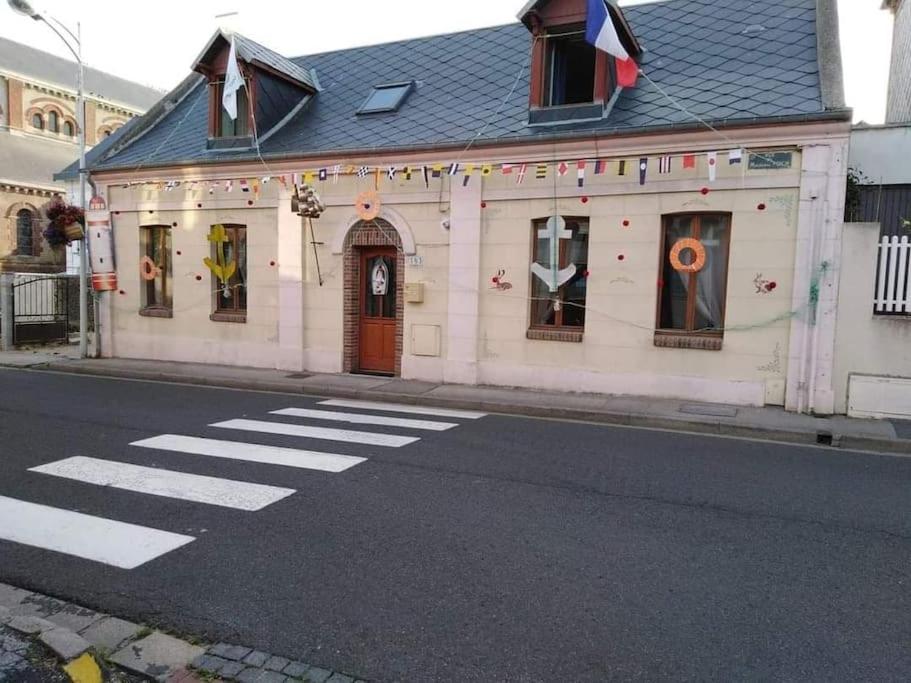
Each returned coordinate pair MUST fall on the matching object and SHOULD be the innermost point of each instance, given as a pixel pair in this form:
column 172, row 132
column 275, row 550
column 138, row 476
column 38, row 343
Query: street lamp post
column 23, row 7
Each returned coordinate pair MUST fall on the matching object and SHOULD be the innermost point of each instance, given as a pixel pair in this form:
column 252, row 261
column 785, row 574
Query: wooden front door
column 376, row 327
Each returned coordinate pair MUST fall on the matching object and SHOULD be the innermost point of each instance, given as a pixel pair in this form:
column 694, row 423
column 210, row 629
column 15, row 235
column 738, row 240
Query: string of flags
column 466, row 172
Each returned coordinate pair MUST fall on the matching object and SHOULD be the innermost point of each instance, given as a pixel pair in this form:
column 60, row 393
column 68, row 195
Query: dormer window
column 274, row 89
column 569, row 70
column 225, row 127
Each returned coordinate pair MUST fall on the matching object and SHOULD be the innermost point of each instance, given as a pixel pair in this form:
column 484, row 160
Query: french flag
column 601, row 32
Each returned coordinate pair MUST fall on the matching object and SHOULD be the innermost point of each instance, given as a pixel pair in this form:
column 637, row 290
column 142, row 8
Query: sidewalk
column 764, row 423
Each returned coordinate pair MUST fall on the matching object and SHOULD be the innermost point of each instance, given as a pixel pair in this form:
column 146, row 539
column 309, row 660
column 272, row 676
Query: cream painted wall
column 617, row 354
column 866, row 344
column 190, row 335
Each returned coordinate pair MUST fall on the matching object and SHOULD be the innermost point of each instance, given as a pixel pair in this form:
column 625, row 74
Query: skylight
column 388, row 97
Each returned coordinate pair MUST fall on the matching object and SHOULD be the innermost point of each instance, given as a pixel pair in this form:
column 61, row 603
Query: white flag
column 713, row 164
column 233, row 82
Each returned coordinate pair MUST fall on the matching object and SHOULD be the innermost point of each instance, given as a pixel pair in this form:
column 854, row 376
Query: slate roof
column 252, row 51
column 708, row 55
column 43, row 66
column 31, row 161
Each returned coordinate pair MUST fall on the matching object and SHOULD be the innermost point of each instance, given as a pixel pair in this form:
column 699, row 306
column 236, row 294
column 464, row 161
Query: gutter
column 835, row 115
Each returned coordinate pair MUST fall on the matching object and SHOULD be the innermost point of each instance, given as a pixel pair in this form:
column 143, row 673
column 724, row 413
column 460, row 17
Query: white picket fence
column 893, row 285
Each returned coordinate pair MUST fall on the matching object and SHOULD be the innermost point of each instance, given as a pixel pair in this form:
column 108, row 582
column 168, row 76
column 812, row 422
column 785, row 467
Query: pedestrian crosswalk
column 128, row 546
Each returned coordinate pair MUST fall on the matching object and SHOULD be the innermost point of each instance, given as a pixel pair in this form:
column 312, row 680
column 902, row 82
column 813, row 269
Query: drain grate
column 298, row 375
column 708, row 409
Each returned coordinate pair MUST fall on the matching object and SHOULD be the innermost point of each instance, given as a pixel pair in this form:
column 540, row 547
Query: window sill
column 156, row 312
column 684, row 340
column 554, row 335
column 220, row 317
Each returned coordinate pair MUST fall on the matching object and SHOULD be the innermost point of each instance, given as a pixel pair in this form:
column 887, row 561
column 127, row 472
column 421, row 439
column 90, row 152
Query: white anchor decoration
column 553, row 277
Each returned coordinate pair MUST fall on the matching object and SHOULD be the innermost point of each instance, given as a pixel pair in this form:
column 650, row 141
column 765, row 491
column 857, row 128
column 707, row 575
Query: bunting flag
column 426, row 173
column 643, row 169
column 212, row 187
column 266, row 179
column 437, row 170
column 713, row 164
column 407, row 172
column 335, row 171
column 284, row 181
column 376, row 178
column 390, row 172
column 580, row 173
column 486, row 170
column 541, row 171
column 621, row 167
column 244, row 185
column 664, row 164
column 689, row 161
column 309, row 176
column 562, row 169
column 520, row 176
column 453, row 169
column 469, row 168
column 362, row 172
column 323, row 174
column 735, row 156
column 506, row 169
column 600, row 167
column 229, row 185
column 255, row 184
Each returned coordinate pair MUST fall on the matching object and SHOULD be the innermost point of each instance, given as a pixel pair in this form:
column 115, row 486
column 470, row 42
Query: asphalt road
column 503, row 549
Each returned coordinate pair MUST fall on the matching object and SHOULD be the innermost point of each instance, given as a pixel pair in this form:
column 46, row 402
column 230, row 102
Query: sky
column 155, row 42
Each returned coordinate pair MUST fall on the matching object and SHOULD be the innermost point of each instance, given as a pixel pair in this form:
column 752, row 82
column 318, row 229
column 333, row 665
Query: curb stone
column 236, row 663
column 154, row 655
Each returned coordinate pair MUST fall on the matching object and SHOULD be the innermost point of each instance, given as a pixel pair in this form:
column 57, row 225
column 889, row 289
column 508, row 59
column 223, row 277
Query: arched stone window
column 25, row 234
column 38, row 121
column 53, row 123
column 68, row 129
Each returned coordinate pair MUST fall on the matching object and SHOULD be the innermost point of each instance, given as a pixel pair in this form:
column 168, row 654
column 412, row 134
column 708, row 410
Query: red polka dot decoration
column 249, row 202
column 704, row 190
column 483, row 205
column 121, row 292
column 271, row 263
column 198, row 278
column 761, row 207
column 772, row 285
column 620, row 257
column 173, row 225
column 199, row 206
column 625, row 223
column 178, row 252
column 116, row 213
column 584, row 200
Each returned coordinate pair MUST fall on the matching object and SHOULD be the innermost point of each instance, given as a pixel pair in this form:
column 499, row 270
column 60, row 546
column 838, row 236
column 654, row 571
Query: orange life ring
column 698, row 255
column 368, row 205
column 147, row 269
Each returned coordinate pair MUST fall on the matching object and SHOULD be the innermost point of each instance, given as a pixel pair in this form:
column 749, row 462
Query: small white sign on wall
column 415, row 260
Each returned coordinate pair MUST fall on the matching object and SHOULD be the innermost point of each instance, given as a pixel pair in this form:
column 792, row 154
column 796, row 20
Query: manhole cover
column 298, row 375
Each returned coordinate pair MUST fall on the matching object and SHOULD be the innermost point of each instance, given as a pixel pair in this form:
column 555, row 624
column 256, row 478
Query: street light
column 23, row 7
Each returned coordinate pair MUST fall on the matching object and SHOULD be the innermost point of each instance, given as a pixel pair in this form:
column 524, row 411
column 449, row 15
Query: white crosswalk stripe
column 403, row 408
column 92, row 538
column 127, row 546
column 251, row 452
column 239, row 495
column 348, row 435
column 359, row 418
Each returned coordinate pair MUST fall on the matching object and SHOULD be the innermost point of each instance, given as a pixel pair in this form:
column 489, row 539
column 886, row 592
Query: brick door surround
column 375, row 233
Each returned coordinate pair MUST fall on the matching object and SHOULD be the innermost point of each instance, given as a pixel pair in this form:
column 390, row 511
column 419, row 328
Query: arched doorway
column 373, row 306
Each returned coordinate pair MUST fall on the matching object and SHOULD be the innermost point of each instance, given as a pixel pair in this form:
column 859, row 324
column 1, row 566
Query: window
column 155, row 243
column 387, row 97
column 68, row 129
column 37, row 121
column 231, row 297
column 569, row 70
column 25, row 233
column 563, row 310
column 53, row 123
column 225, row 127
column 691, row 304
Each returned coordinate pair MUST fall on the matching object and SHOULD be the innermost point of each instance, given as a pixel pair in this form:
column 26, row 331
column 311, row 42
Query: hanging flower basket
column 66, row 223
